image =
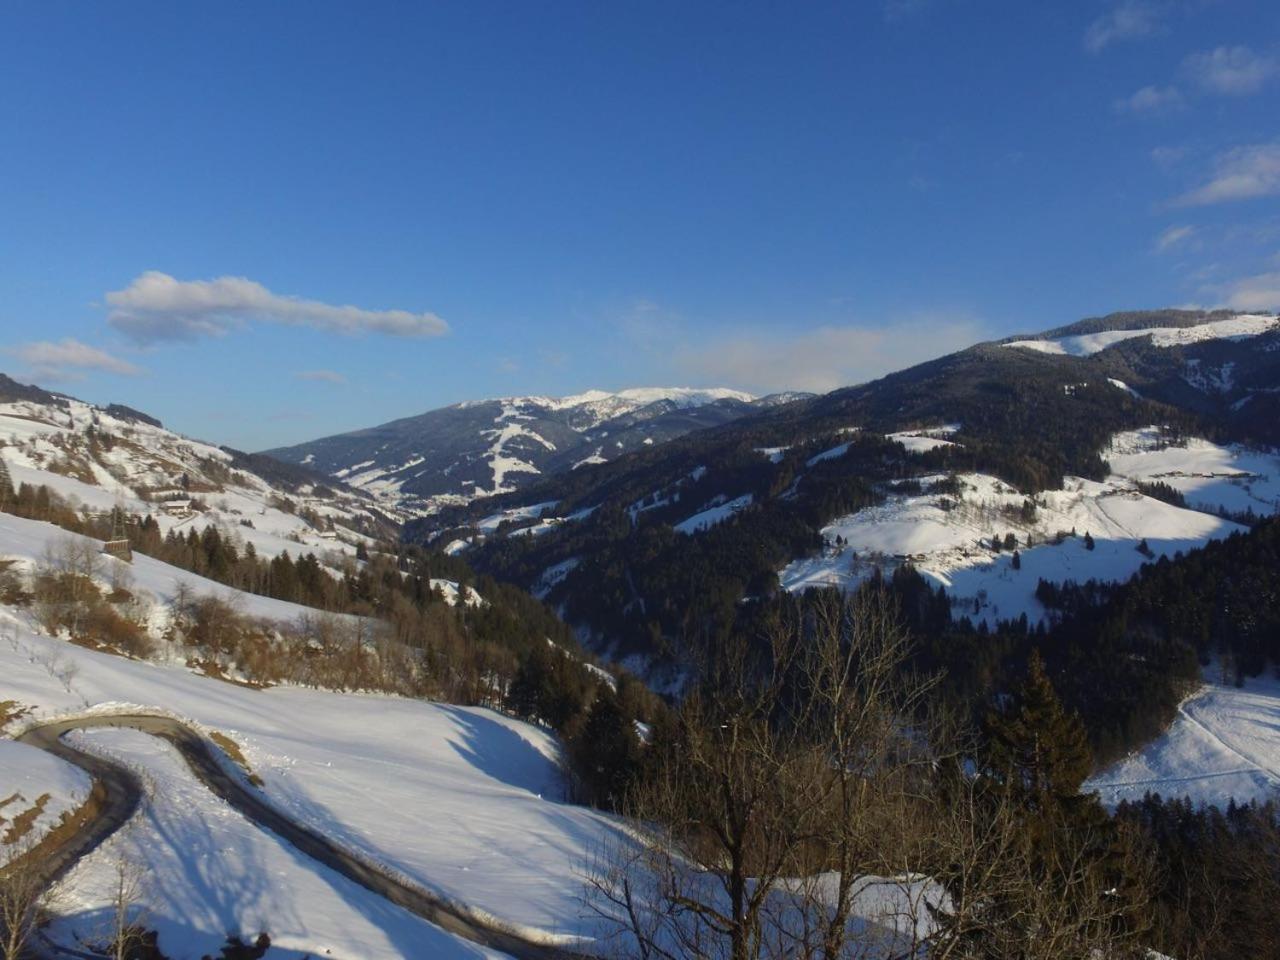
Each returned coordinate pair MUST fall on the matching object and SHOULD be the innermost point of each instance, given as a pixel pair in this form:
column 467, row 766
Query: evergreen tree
column 1041, row 746
column 607, row 749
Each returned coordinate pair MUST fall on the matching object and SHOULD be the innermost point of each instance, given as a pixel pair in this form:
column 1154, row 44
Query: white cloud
column 1260, row 292
column 322, row 376
column 1172, row 236
column 1128, row 20
column 1150, row 100
column 824, row 358
column 156, row 307
column 67, row 359
column 1168, row 157
column 1230, row 70
column 1239, row 174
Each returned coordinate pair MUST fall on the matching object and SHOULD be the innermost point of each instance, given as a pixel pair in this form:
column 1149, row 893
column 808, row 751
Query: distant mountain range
column 483, row 448
column 1154, row 431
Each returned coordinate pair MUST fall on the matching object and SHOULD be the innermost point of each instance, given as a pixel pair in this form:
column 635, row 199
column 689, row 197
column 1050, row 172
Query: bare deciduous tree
column 810, row 808
column 21, row 896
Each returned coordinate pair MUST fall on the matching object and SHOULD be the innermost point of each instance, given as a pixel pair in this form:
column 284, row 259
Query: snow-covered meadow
column 1223, row 744
column 466, row 802
column 948, row 537
column 36, row 789
column 142, row 465
column 1083, row 345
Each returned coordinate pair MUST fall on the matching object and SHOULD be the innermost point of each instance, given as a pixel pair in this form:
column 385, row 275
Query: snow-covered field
column 717, row 513
column 1083, row 345
column 30, row 542
column 466, row 802
column 36, row 789
column 142, row 465
column 206, row 870
column 1223, row 744
column 1209, row 476
column 948, row 538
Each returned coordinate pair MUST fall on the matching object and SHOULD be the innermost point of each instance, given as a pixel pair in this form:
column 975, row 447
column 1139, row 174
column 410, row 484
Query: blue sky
column 541, row 198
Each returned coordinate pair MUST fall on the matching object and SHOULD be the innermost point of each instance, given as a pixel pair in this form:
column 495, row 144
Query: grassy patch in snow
column 21, row 825
column 232, row 750
column 11, row 710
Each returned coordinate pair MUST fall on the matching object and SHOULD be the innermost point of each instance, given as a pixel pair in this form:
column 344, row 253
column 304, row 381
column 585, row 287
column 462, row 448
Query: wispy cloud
column 156, row 307
column 1128, row 20
column 1171, row 237
column 1168, row 157
column 67, row 360
column 322, row 376
column 1260, row 292
column 1150, row 100
column 824, row 358
column 1234, row 71
column 1238, row 174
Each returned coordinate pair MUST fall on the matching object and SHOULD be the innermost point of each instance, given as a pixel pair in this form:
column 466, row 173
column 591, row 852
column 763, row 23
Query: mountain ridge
column 454, row 454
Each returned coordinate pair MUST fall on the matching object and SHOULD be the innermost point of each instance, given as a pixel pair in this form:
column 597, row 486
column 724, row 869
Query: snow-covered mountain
column 487, row 447
column 98, row 458
column 1223, row 365
column 1153, row 432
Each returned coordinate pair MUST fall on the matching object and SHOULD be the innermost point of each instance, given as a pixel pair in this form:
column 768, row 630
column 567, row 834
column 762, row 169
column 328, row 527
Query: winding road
column 124, row 793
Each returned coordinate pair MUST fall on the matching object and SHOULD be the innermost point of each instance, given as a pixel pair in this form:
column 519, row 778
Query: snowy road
column 124, row 792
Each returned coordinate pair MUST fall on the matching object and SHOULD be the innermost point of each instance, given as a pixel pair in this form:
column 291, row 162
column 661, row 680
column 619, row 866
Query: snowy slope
column 948, row 538
column 99, row 461
column 716, row 513
column 155, row 583
column 1209, row 476
column 209, row 871
column 483, row 448
column 1083, row 345
column 1222, row 744
column 465, row 801
column 36, row 789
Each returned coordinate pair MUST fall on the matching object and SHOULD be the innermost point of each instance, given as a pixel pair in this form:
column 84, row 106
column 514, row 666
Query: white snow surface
column 50, row 446
column 1222, row 745
column 949, row 541
column 708, row 518
column 209, row 871
column 832, row 454
column 1208, row 475
column 451, row 590
column 1083, row 345
column 26, row 776
column 922, row 441
column 29, row 541
column 465, row 801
